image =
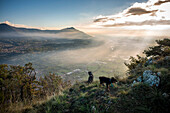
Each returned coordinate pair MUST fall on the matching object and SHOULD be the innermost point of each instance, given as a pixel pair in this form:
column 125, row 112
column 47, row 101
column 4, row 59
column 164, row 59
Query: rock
column 165, row 95
column 134, row 82
column 139, row 79
column 149, row 61
column 109, row 102
column 167, row 58
column 150, row 78
column 146, row 74
column 93, row 108
column 159, row 73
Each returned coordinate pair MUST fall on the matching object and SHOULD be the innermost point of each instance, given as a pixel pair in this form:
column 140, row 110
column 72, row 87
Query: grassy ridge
column 83, row 98
column 125, row 96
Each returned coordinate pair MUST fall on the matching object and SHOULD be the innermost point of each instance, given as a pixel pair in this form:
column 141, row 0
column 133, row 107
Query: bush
column 146, row 98
column 19, row 84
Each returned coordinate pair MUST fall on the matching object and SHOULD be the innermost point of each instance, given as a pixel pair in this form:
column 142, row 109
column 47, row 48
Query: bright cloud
column 152, row 13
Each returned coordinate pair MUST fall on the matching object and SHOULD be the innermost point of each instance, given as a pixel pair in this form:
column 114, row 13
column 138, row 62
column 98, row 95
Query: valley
column 10, row 47
column 69, row 52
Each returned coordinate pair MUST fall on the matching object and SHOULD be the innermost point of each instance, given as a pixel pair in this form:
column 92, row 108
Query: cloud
column 17, row 25
column 139, row 11
column 147, row 22
column 104, row 19
column 161, row 2
column 153, row 12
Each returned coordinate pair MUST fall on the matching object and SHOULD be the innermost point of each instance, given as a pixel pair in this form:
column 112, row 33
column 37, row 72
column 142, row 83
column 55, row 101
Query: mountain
column 66, row 32
column 6, row 28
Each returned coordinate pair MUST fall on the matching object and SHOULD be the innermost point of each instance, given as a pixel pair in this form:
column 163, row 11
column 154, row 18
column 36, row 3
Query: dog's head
column 90, row 73
column 113, row 80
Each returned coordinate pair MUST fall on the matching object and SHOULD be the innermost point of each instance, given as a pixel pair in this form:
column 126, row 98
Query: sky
column 58, row 13
column 92, row 16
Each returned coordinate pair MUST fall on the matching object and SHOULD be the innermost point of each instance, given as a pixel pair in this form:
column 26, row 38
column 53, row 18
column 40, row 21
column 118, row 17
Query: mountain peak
column 69, row 28
column 4, row 24
column 5, row 27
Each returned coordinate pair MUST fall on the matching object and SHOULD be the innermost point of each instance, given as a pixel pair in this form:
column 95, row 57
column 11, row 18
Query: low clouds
column 161, row 2
column 153, row 12
column 139, row 11
column 101, row 19
column 18, row 25
column 147, row 22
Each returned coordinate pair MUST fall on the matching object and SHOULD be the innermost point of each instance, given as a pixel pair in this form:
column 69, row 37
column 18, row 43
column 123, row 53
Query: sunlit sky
column 87, row 15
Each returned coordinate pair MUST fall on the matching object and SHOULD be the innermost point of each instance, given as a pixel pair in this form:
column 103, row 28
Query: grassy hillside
column 146, row 89
column 126, row 96
column 83, row 98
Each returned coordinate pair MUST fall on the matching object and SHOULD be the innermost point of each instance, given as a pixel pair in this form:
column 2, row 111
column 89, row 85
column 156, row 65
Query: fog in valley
column 104, row 59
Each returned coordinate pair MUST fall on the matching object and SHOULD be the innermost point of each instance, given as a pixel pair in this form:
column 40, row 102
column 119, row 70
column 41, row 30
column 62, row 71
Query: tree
column 162, row 49
column 16, row 82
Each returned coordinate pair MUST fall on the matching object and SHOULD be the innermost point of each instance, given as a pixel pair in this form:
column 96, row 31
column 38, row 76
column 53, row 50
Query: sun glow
column 152, row 15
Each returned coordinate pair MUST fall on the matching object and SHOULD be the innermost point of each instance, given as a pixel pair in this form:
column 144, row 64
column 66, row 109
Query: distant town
column 20, row 46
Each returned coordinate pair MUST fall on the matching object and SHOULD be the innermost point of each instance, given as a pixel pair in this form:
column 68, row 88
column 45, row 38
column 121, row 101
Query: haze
column 117, row 29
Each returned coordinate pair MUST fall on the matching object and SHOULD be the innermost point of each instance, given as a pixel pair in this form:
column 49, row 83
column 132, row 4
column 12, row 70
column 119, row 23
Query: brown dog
column 108, row 81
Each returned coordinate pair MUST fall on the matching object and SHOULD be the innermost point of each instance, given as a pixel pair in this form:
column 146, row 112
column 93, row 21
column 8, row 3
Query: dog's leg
column 107, row 87
column 100, row 85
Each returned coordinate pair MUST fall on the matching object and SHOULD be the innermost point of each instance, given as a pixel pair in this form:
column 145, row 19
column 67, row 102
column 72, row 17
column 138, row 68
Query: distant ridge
column 5, row 28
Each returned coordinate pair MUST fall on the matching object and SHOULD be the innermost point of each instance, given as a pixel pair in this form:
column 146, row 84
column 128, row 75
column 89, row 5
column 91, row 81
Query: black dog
column 106, row 80
column 90, row 79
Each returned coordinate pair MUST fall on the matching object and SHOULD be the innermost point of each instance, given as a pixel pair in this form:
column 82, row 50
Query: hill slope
column 146, row 89
column 83, row 98
column 68, row 32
